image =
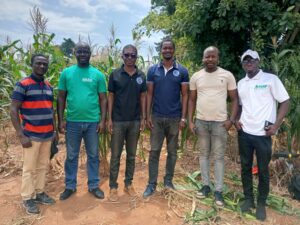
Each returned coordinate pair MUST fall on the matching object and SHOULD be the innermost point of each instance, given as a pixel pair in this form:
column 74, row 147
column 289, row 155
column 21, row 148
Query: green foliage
column 67, row 47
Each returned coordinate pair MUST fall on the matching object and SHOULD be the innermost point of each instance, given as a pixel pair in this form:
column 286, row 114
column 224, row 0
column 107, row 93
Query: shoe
column 43, row 198
column 113, row 195
column 130, row 190
column 247, row 205
column 169, row 185
column 66, row 194
column 31, row 207
column 219, row 200
column 261, row 212
column 203, row 192
column 150, row 189
column 97, row 192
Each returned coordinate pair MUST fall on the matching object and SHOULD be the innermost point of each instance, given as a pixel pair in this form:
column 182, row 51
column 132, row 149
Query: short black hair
column 82, row 44
column 129, row 46
column 167, row 39
column 37, row 55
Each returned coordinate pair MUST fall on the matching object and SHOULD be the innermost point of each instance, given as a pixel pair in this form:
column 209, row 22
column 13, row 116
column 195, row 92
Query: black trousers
column 262, row 146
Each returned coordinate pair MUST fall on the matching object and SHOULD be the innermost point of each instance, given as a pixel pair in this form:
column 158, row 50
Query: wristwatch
column 183, row 120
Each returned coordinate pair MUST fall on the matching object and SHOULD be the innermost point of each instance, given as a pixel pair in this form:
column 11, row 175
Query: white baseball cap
column 251, row 53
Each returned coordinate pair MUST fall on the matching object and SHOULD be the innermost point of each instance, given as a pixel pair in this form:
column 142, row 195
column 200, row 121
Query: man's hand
column 227, row 124
column 238, row 125
column 182, row 125
column 110, row 126
column 192, row 128
column 62, row 127
column 142, row 125
column 271, row 130
column 101, row 127
column 25, row 141
column 149, row 123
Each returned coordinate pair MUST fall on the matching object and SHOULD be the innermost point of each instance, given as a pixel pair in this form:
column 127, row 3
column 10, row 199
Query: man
column 83, row 88
column 167, row 83
column 259, row 93
column 209, row 88
column 32, row 117
column 126, row 113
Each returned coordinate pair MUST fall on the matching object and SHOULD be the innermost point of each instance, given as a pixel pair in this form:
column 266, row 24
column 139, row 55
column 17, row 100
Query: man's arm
column 282, row 111
column 233, row 95
column 184, row 97
column 15, row 119
column 150, row 87
column 103, row 108
column 191, row 109
column 111, row 98
column 61, row 104
column 143, row 109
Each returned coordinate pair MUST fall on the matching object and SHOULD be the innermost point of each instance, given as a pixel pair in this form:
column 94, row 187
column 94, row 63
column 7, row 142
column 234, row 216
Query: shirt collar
column 256, row 77
column 175, row 64
column 36, row 79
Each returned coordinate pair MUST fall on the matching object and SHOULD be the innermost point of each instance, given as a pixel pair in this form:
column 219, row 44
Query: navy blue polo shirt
column 167, row 89
column 127, row 90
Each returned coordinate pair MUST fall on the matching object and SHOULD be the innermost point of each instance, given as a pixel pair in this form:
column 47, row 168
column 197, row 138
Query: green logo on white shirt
column 261, row 86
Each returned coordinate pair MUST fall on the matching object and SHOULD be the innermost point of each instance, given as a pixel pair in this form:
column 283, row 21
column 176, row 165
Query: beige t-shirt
column 212, row 93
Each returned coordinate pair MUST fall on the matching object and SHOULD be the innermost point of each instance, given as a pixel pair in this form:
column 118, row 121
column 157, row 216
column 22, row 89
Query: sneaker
column 113, row 195
column 261, row 212
column 43, row 198
column 97, row 192
column 203, row 192
column 219, row 200
column 130, row 190
column 31, row 207
column 66, row 194
column 169, row 185
column 247, row 205
column 150, row 189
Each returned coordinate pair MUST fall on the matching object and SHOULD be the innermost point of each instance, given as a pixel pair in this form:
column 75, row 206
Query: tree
column 231, row 25
column 67, row 47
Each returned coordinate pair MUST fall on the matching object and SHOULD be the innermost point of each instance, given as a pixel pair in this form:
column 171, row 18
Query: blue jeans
column 163, row 128
column 212, row 139
column 75, row 132
column 127, row 132
column 262, row 147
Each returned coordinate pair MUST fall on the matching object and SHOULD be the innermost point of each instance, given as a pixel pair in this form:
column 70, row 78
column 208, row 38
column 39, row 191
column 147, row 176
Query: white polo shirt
column 258, row 97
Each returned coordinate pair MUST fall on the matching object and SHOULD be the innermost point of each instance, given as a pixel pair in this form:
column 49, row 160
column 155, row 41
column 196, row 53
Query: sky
column 71, row 18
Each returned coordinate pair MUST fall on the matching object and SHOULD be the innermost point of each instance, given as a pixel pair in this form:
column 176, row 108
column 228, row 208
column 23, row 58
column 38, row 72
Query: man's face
column 210, row 60
column 83, row 55
column 129, row 56
column 250, row 65
column 167, row 50
column 40, row 65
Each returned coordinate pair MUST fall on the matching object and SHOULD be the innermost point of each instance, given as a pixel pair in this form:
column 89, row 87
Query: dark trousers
column 163, row 128
column 262, row 145
column 127, row 132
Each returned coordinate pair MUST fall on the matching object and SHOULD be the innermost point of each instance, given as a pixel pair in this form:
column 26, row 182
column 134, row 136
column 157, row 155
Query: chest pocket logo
column 139, row 80
column 176, row 73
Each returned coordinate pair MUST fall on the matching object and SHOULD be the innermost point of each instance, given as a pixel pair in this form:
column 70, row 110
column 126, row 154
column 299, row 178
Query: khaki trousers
column 35, row 166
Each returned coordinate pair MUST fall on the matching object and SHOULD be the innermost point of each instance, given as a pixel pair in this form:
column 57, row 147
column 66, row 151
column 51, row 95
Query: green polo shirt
column 83, row 86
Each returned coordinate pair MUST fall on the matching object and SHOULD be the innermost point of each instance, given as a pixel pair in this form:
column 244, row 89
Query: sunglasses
column 249, row 61
column 128, row 55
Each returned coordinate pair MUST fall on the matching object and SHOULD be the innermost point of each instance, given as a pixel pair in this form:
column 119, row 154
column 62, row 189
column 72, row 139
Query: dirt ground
column 84, row 209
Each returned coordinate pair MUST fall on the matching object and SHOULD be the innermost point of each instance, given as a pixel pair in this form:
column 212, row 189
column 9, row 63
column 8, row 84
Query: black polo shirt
column 127, row 90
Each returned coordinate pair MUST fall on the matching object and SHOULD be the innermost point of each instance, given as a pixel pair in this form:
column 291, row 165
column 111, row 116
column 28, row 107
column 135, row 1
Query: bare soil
column 83, row 209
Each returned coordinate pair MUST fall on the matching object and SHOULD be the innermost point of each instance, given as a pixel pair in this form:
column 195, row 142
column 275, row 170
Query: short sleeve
column 231, row 82
column 278, row 90
column 62, row 81
column 150, row 74
column 185, row 76
column 19, row 92
column 111, row 86
column 193, row 86
column 102, row 83
column 144, row 86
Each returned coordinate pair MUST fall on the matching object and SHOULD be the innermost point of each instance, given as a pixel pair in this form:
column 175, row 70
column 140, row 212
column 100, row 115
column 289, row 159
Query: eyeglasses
column 127, row 55
column 85, row 52
column 249, row 61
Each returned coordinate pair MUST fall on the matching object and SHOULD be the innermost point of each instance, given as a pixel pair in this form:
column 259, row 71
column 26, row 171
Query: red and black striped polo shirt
column 36, row 111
